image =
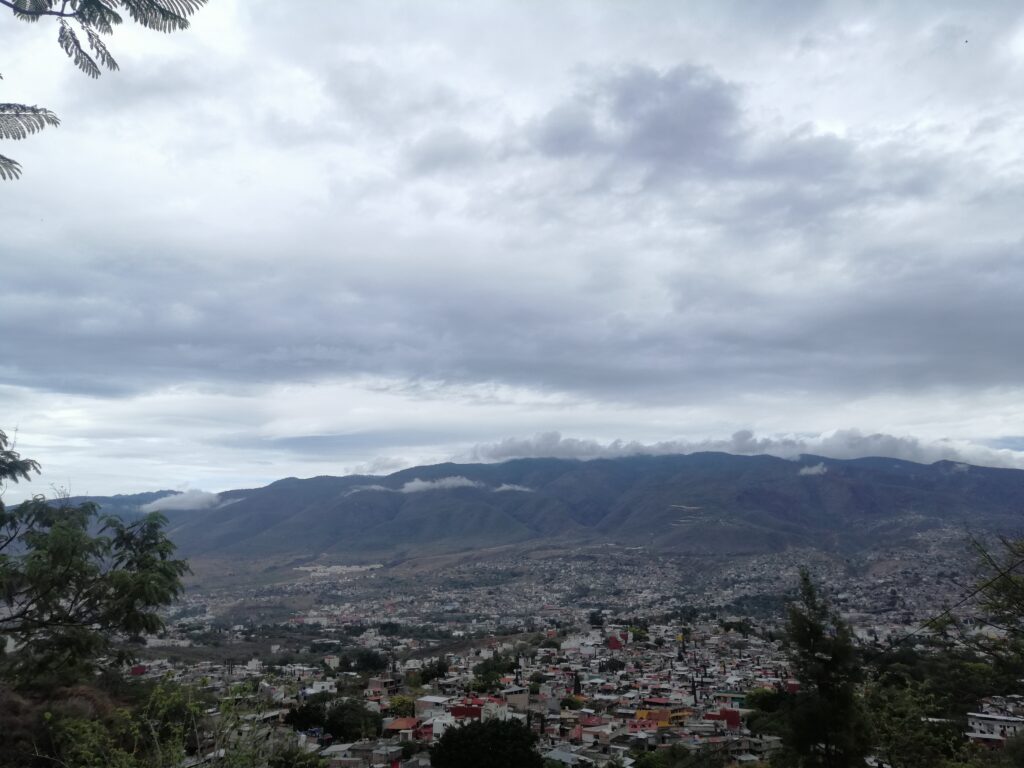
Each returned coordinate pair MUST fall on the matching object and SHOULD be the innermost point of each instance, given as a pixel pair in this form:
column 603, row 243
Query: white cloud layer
column 441, row 484
column 817, row 469
column 191, row 499
column 841, row 444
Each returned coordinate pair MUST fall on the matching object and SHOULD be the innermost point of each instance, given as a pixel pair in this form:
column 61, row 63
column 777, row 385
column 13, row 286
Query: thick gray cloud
column 298, row 240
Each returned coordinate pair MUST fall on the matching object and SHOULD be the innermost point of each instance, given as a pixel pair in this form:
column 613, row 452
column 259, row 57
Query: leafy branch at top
column 95, row 18
column 81, row 27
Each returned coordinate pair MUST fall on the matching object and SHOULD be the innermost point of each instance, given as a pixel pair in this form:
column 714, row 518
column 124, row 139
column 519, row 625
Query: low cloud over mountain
column 191, row 499
column 841, row 444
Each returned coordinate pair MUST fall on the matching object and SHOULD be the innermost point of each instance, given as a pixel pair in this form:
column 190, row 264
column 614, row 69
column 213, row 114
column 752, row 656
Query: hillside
column 706, row 503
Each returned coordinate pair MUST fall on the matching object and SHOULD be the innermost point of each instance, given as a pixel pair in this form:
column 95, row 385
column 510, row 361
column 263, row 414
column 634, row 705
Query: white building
column 989, row 728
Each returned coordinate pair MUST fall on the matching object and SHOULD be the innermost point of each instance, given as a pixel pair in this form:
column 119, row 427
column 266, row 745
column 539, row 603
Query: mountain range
column 700, row 503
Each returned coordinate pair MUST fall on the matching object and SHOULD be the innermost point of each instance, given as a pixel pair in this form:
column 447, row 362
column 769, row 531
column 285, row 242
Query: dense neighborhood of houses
column 590, row 696
column 603, row 655
column 593, row 697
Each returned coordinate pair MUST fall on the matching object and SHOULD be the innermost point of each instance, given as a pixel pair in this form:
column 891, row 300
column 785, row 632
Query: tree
column 906, row 732
column 294, row 757
column 767, row 714
column 311, row 714
column 91, row 727
column 344, row 720
column 1002, row 590
column 678, row 756
column 90, row 20
column 825, row 725
column 494, row 743
column 433, row 671
column 72, row 579
column 402, row 706
column 489, row 671
column 370, row 661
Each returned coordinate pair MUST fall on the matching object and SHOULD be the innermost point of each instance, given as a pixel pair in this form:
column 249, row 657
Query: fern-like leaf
column 154, row 15
column 163, row 15
column 100, row 49
column 72, row 47
column 180, row 7
column 98, row 16
column 9, row 169
column 31, row 10
column 17, row 121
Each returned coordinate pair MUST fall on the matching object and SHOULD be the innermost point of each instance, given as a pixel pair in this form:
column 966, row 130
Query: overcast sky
column 318, row 237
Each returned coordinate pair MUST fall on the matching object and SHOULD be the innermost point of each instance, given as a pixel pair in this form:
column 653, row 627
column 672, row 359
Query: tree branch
column 62, row 13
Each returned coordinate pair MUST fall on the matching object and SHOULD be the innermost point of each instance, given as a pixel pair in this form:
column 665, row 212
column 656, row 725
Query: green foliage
column 611, row 665
column 390, row 628
column 494, row 743
column 244, row 742
column 489, row 671
column 1002, row 599
column 824, row 724
column 350, row 721
column 917, row 698
column 402, row 706
column 86, row 726
column 369, row 661
column 311, row 714
column 639, row 633
column 743, row 626
column 433, row 671
column 906, row 733
column 344, row 720
column 93, row 743
column 12, row 465
column 67, row 590
column 769, row 715
column 294, row 757
column 955, row 678
column 678, row 756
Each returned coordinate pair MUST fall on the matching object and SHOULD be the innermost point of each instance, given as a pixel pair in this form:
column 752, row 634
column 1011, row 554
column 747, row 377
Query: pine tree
column 825, row 723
